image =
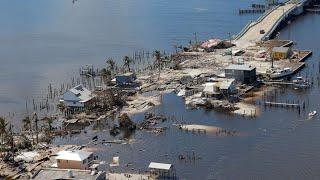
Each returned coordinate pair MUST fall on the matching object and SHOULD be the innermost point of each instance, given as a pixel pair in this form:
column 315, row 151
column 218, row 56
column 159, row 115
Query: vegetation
column 7, row 145
column 127, row 63
column 36, row 120
column 106, row 76
column 126, row 123
column 3, row 129
column 157, row 56
column 111, row 65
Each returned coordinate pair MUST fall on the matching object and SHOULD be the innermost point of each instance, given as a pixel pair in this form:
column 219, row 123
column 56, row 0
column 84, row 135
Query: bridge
column 264, row 27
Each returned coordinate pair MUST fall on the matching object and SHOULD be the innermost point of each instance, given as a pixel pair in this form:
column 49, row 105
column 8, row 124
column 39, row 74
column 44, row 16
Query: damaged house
column 77, row 97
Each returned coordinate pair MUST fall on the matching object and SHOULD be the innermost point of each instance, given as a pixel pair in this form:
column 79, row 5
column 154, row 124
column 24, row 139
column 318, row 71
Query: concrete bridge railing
column 252, row 23
column 275, row 25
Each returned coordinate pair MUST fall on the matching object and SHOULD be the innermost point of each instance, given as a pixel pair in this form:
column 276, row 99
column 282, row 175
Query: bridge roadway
column 267, row 24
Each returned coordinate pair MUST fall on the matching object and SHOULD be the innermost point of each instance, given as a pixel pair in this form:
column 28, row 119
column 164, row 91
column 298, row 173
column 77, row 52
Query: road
column 253, row 33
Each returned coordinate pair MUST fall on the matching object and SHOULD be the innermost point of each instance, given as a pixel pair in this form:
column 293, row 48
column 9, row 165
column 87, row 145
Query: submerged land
column 218, row 75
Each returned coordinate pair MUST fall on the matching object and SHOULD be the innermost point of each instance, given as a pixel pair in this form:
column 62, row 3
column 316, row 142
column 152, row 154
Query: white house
column 218, row 87
column 164, row 171
column 74, row 159
column 77, row 97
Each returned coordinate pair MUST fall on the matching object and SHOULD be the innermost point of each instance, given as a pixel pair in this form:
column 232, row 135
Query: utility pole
column 231, row 46
column 195, row 38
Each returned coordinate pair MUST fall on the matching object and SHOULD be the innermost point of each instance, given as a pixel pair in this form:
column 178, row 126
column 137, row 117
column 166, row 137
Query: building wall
column 124, row 79
column 279, row 55
column 236, row 74
column 246, row 77
column 73, row 103
column 249, row 77
column 66, row 164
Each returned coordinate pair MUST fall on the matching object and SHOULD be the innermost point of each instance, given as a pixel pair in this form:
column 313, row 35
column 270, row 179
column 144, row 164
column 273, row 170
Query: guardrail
column 275, row 25
column 253, row 23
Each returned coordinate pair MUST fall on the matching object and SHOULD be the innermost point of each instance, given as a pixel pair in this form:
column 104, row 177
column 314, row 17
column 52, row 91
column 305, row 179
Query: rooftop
column 126, row 74
column 81, row 92
column 162, row 166
column 73, row 155
column 242, row 67
column 226, row 83
column 281, row 49
column 53, row 173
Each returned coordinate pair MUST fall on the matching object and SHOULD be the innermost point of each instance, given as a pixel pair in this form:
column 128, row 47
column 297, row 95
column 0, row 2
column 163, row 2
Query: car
column 262, row 31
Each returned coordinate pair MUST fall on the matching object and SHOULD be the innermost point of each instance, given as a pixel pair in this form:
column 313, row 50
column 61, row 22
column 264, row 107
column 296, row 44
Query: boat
column 312, row 114
column 281, row 73
column 300, row 82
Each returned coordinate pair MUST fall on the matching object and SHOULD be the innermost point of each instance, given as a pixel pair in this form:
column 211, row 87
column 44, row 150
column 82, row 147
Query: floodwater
column 47, row 41
column 279, row 144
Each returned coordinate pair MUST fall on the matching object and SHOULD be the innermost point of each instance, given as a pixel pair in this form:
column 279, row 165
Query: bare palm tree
column 157, row 56
column 3, row 129
column 106, row 76
column 127, row 62
column 26, row 123
column 111, row 65
column 35, row 119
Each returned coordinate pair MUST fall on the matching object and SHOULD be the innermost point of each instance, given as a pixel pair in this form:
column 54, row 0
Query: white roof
column 226, row 83
column 242, row 67
column 82, row 93
column 73, row 155
column 209, row 87
column 162, row 166
column 281, row 49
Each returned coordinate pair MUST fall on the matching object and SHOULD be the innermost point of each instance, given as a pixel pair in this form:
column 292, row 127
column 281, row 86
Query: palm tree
column 35, row 119
column 127, row 62
column 3, row 129
column 26, row 123
column 111, row 65
column 157, row 56
column 106, row 76
column 9, row 137
column 49, row 122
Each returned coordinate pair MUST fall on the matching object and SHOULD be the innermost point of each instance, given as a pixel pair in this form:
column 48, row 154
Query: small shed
column 162, row 170
column 220, row 87
column 241, row 72
column 125, row 79
column 74, row 159
column 281, row 52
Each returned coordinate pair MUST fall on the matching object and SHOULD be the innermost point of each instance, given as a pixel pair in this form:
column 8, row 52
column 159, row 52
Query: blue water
column 46, row 41
column 279, row 144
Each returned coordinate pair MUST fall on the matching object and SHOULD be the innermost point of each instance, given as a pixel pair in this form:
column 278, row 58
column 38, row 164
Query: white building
column 218, row 87
column 162, row 170
column 77, row 97
column 74, row 159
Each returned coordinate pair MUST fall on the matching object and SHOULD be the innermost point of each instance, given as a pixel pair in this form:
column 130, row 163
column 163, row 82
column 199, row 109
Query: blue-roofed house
column 125, row 79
